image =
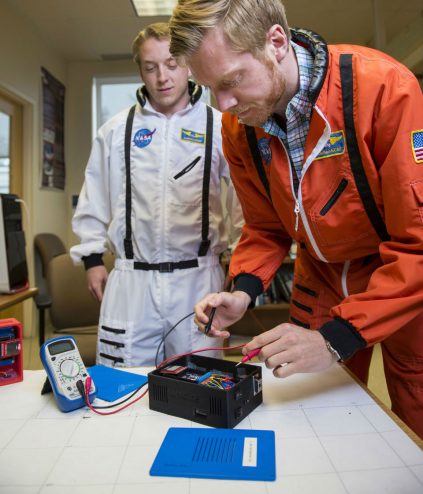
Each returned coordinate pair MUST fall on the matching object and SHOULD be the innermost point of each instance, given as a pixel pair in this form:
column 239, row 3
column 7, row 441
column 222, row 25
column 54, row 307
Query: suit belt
column 166, row 267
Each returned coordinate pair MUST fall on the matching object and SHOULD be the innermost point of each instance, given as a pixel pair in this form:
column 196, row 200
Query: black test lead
column 208, row 326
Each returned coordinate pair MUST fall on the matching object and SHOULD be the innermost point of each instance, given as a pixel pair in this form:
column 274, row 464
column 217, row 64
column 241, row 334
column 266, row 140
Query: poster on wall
column 53, row 170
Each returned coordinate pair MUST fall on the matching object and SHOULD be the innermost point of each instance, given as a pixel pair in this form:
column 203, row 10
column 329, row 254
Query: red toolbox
column 11, row 365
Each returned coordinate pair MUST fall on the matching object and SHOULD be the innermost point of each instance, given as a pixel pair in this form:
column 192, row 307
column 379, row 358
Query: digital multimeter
column 63, row 364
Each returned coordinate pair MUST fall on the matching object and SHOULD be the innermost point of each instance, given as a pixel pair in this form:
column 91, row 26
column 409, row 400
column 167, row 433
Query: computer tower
column 13, row 266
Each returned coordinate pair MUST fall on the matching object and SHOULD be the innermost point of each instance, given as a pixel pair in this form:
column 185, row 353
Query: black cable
column 167, row 334
column 123, row 401
column 80, row 387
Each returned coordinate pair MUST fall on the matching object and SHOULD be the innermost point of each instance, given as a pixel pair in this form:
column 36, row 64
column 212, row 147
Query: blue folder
column 233, row 454
column 112, row 383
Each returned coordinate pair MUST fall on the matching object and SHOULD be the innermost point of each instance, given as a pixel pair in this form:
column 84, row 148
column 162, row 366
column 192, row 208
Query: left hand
column 288, row 349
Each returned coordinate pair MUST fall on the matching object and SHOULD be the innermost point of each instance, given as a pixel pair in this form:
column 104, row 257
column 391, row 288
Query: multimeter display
column 60, row 347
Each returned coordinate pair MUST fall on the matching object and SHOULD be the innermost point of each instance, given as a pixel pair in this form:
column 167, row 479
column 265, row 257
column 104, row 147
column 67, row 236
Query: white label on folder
column 249, row 456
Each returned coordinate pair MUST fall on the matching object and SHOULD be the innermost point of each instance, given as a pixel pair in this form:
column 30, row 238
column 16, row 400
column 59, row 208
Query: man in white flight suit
column 152, row 196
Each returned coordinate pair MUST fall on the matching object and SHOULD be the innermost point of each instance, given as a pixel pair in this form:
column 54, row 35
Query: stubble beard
column 260, row 114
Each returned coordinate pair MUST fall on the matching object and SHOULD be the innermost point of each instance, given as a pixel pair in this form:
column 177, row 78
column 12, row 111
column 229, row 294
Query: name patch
column 192, row 136
column 334, row 146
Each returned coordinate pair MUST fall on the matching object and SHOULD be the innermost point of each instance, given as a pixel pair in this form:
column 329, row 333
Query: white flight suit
column 167, row 158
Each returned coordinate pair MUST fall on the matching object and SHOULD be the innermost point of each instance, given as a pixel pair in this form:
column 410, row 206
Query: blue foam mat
column 112, row 383
column 234, row 454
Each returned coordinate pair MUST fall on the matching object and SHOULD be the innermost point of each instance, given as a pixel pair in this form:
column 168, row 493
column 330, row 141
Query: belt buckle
column 166, row 267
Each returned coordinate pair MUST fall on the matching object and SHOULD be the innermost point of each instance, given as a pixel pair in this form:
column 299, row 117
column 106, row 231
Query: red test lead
column 249, row 356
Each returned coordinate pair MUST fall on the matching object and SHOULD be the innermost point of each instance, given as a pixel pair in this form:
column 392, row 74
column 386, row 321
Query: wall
column 79, row 121
column 22, row 53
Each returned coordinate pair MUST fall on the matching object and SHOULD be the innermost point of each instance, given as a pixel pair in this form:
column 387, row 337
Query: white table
column 331, row 438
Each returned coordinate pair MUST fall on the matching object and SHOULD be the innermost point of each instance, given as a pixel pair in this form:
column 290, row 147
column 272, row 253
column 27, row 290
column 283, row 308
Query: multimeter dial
column 69, row 368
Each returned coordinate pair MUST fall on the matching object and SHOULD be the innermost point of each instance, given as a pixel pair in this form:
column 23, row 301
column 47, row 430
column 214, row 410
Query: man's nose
column 225, row 100
column 162, row 74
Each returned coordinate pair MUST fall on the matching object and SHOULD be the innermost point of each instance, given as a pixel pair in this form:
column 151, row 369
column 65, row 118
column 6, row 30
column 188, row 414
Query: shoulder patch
column 334, row 146
column 193, row 136
column 143, row 137
column 417, row 145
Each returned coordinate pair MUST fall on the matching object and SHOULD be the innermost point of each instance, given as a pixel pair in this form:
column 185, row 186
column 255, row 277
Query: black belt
column 166, row 267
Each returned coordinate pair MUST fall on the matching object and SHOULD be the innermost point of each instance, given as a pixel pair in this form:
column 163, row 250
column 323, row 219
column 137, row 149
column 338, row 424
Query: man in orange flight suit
column 325, row 146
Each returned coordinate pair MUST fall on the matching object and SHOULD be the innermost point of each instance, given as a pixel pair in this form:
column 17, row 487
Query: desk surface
column 331, row 438
column 9, row 299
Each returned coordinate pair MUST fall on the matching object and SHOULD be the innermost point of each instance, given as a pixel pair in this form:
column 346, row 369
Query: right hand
column 230, row 308
column 96, row 279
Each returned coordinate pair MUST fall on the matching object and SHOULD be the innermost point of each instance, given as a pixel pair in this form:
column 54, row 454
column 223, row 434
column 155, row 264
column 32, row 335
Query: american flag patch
column 417, row 145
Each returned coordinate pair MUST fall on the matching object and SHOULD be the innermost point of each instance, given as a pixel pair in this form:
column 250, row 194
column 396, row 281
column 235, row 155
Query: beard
column 259, row 113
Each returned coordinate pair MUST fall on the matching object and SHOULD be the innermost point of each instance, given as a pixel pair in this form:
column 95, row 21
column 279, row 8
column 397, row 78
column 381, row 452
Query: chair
column 72, row 309
column 47, row 246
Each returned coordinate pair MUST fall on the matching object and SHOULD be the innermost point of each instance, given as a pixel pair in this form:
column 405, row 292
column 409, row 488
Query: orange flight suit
column 355, row 288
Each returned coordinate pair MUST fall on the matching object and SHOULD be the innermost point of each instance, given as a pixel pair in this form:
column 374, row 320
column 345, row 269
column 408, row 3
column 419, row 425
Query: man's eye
column 149, row 69
column 173, row 66
column 233, row 83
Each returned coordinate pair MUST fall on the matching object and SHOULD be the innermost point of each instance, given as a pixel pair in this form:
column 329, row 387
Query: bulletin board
column 53, row 174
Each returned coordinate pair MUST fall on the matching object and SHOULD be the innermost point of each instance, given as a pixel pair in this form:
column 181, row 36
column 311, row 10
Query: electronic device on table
column 13, row 265
column 206, row 390
column 64, row 366
column 11, row 368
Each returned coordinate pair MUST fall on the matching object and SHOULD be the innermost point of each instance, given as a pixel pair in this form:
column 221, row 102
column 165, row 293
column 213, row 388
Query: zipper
column 113, row 343
column 187, row 168
column 306, row 290
column 303, row 307
column 344, row 278
column 163, row 234
column 298, row 200
column 334, row 197
column 115, row 360
column 297, row 212
column 113, row 330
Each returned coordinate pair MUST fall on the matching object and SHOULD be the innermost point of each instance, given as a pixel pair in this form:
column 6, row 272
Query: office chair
column 47, row 246
column 72, row 309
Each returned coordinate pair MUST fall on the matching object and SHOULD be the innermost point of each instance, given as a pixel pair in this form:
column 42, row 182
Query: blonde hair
column 159, row 31
column 245, row 23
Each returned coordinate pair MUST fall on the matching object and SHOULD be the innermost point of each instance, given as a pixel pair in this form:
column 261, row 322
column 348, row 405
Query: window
column 10, row 146
column 112, row 95
column 5, row 121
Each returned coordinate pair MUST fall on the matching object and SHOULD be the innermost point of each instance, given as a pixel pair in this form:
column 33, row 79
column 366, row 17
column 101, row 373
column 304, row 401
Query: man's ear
column 277, row 41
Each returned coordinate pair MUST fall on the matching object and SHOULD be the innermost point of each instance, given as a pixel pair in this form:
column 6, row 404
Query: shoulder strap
column 258, row 162
column 205, row 242
column 127, row 242
column 357, row 168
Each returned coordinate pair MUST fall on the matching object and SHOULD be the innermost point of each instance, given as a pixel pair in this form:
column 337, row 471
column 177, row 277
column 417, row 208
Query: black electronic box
column 206, row 390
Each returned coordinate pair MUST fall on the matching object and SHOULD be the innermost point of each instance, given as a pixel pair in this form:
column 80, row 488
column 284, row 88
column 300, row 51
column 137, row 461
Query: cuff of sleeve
column 343, row 337
column 249, row 284
column 92, row 260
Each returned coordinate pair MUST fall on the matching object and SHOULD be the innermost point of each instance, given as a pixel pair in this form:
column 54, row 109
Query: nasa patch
column 265, row 150
column 334, row 146
column 143, row 137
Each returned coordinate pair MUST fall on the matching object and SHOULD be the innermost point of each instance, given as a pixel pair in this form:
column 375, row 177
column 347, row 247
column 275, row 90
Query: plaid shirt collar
column 300, row 105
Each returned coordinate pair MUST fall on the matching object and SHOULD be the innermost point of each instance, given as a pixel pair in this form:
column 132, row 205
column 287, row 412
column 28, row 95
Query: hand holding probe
column 208, row 326
column 249, row 356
